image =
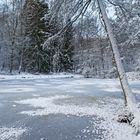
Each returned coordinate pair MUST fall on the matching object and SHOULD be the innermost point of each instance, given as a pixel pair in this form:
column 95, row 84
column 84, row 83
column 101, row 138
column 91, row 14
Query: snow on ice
column 106, row 109
column 11, row 133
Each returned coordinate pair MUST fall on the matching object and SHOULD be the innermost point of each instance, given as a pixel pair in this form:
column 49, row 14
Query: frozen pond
column 61, row 109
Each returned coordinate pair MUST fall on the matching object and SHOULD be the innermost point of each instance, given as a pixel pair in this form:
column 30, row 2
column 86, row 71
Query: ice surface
column 77, row 97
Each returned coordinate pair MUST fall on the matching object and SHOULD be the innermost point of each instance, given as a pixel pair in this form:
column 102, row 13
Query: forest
column 79, row 62
column 81, row 45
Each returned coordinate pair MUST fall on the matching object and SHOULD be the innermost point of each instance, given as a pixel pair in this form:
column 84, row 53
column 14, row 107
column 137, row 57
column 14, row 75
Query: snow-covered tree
column 67, row 49
column 11, row 37
column 35, row 58
column 126, row 28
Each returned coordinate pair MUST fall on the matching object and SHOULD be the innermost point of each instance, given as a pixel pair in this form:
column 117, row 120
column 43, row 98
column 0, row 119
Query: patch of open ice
column 11, row 133
column 1, row 104
column 36, row 95
column 136, row 91
column 112, row 89
column 18, row 89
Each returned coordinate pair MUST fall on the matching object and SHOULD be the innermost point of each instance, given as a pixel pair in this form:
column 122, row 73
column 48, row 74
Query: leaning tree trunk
column 130, row 98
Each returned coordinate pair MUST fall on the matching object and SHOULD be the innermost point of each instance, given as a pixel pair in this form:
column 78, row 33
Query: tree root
column 125, row 117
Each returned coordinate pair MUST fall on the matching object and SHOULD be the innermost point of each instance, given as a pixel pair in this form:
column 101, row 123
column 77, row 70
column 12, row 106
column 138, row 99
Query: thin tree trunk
column 11, row 60
column 20, row 64
column 130, row 98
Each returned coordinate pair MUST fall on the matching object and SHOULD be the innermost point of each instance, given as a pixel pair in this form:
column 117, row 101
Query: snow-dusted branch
column 74, row 19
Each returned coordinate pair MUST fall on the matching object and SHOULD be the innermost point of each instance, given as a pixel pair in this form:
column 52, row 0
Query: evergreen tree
column 67, row 49
column 35, row 33
column 53, row 49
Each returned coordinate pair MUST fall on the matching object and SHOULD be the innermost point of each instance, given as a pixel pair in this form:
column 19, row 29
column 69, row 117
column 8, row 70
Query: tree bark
column 20, row 63
column 11, row 60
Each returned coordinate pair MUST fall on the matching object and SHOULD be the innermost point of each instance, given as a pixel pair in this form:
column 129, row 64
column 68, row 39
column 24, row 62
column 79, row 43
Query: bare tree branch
column 83, row 10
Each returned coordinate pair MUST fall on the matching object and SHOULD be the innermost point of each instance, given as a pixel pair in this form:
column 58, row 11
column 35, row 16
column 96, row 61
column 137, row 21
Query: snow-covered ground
column 130, row 75
column 133, row 75
column 34, row 96
column 11, row 133
column 38, row 76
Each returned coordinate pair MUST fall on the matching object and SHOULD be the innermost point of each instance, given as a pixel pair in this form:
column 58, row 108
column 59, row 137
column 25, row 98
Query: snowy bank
column 38, row 76
column 130, row 76
column 133, row 75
